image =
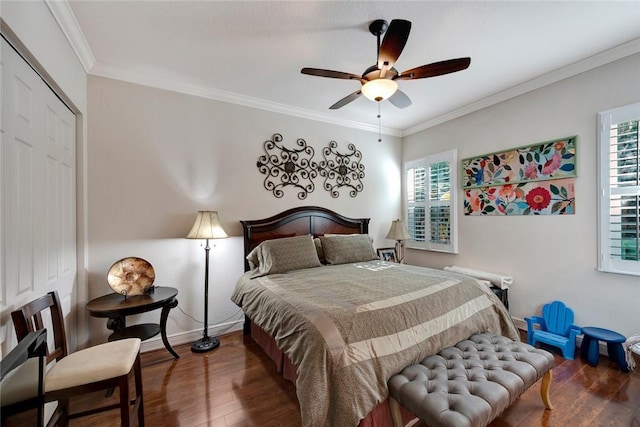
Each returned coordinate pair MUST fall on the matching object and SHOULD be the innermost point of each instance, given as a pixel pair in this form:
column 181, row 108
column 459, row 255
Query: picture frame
column 388, row 254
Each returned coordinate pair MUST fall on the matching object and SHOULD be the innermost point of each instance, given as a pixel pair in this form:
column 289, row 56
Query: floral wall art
column 532, row 180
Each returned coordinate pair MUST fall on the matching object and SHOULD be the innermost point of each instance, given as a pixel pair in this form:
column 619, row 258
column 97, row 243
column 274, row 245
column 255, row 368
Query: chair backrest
column 22, row 379
column 28, row 318
column 557, row 318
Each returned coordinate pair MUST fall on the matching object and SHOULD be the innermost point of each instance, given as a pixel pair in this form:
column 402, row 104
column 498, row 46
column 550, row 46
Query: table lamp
column 207, row 226
column 399, row 233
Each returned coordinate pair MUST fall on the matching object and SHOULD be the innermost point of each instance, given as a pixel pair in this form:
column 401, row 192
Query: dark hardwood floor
column 236, row 385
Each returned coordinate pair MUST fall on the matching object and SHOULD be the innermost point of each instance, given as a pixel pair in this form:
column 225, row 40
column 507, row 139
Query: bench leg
column 546, row 387
column 396, row 416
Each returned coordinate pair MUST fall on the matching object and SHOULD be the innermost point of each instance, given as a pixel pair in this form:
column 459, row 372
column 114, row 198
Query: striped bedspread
column 349, row 328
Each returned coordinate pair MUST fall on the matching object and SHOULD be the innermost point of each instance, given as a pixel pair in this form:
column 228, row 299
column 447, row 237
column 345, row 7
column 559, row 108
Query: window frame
column 450, row 156
column 606, row 119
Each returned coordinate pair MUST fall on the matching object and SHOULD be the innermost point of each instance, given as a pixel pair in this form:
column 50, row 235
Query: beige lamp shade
column 398, row 231
column 207, row 226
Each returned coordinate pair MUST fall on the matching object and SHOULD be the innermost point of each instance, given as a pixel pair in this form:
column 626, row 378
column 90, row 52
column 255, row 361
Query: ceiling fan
column 379, row 80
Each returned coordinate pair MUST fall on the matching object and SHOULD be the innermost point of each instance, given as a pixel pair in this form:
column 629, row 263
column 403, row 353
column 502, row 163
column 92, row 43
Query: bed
column 340, row 322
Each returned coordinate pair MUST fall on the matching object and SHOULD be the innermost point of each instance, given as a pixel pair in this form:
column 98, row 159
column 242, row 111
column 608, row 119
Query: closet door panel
column 20, row 173
column 59, row 197
column 38, row 184
column 3, row 137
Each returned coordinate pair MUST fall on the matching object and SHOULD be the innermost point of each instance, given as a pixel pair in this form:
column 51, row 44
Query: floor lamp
column 207, row 226
column 399, row 233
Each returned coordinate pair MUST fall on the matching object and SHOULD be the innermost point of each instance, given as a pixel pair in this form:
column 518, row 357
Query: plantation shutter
column 619, row 178
column 416, row 202
column 430, row 202
column 439, row 202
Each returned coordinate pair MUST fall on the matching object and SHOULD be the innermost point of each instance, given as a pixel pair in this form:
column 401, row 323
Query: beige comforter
column 349, row 328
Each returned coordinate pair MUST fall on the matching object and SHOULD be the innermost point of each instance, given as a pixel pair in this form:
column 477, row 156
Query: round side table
column 116, row 307
column 590, row 348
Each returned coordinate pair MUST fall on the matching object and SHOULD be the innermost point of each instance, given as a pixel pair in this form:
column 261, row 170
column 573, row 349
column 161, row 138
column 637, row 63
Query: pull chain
column 379, row 131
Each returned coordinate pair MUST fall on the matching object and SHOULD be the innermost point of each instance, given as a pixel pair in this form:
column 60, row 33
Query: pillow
column 353, row 234
column 347, row 248
column 253, row 258
column 253, row 255
column 286, row 254
column 318, row 243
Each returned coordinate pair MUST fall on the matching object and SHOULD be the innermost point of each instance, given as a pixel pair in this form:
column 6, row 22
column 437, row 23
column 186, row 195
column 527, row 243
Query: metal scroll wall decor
column 341, row 170
column 286, row 167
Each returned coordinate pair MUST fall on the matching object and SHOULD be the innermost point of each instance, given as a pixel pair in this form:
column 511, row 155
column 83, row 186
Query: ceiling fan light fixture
column 379, row 89
column 379, row 80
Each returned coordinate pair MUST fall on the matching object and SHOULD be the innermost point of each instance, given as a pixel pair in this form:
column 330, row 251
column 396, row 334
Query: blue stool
column 614, row 340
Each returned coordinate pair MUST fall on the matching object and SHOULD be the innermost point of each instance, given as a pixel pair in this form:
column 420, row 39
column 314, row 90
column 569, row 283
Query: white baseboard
column 186, row 337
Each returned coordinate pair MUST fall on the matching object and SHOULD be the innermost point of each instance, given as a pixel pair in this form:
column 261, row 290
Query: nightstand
column 116, row 307
column 502, row 294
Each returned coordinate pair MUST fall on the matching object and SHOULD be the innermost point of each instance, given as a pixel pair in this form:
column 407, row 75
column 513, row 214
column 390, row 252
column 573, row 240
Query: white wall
column 156, row 157
column 550, row 257
column 36, row 29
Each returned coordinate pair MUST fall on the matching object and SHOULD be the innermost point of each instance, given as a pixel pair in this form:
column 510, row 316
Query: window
column 619, row 191
column 430, row 202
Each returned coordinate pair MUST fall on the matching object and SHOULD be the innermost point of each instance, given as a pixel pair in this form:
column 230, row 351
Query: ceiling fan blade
column 347, row 99
column 394, row 41
column 435, row 69
column 400, row 99
column 329, row 73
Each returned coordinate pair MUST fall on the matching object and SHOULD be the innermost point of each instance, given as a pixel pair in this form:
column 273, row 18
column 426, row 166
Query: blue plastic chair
column 556, row 328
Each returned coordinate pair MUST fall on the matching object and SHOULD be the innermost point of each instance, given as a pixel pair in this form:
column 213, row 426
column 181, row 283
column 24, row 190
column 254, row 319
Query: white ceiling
column 251, row 53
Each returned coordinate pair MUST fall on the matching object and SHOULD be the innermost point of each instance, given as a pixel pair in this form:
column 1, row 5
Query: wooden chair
column 556, row 328
column 102, row 367
column 22, row 382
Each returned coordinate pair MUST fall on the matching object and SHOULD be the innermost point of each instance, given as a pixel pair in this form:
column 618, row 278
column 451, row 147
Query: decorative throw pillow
column 348, row 248
column 286, row 254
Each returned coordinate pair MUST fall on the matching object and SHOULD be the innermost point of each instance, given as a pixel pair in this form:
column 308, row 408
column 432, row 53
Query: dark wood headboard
column 299, row 221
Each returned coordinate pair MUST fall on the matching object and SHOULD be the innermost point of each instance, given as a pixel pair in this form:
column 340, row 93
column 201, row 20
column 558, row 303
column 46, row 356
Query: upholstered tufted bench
column 470, row 384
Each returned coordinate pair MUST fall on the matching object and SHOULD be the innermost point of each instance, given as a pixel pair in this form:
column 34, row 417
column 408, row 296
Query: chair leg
column 568, row 351
column 139, row 395
column 59, row 417
column 125, row 414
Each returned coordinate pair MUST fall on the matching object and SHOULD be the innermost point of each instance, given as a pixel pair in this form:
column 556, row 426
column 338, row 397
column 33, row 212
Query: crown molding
column 621, row 51
column 65, row 18
column 67, row 22
column 102, row 70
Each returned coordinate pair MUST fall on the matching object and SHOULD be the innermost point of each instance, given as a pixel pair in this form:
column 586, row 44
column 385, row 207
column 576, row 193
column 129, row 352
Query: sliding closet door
column 37, row 180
